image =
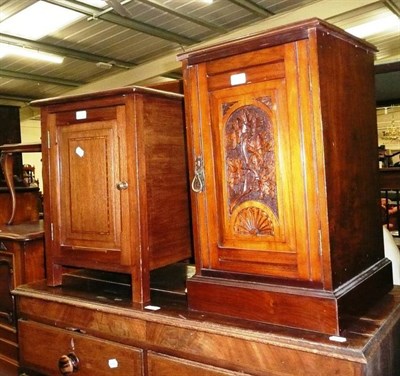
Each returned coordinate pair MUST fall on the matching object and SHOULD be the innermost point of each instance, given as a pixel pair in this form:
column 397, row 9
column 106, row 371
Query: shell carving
column 253, row 221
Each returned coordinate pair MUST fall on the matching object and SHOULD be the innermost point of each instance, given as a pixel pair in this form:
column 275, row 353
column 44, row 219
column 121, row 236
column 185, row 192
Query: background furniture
column 8, row 154
column 389, row 183
column 10, row 133
column 27, row 205
column 21, row 249
column 21, row 261
column 115, row 177
column 285, row 216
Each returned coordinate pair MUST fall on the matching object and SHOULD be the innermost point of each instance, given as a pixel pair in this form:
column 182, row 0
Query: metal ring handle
column 197, row 184
column 198, row 179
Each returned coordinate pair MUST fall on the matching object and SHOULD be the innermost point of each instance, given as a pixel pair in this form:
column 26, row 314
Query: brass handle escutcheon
column 198, row 179
column 68, row 364
column 122, row 185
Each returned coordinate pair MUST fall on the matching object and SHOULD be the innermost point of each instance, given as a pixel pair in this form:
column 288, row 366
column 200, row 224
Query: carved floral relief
column 250, row 168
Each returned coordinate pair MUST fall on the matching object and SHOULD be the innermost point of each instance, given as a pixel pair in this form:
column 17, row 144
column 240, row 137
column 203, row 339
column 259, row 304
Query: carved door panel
column 6, row 285
column 92, row 194
column 254, row 186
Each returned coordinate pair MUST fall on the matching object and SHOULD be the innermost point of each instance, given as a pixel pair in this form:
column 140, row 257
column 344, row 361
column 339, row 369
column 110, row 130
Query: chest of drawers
column 110, row 337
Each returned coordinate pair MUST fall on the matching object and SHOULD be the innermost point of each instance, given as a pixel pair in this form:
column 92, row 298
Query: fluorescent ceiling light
column 38, row 20
column 388, row 23
column 9, row 49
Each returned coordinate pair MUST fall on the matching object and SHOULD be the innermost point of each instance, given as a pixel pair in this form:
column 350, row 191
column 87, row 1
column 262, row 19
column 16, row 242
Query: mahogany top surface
column 95, row 292
column 21, row 148
column 22, row 232
column 269, row 38
column 122, row 91
column 6, row 190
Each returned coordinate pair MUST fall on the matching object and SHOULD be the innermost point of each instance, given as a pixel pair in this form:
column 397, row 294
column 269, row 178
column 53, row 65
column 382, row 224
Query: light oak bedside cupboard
column 116, row 183
column 282, row 140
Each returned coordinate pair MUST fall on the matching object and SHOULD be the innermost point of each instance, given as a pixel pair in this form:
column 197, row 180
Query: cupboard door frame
column 293, row 251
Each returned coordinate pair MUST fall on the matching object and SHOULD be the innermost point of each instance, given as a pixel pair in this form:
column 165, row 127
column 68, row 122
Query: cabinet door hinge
column 48, row 140
column 51, row 231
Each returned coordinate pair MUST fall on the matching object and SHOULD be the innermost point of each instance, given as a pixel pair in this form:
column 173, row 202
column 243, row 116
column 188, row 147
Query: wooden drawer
column 8, row 350
column 162, row 365
column 8, row 333
column 42, row 346
column 7, row 283
column 8, row 367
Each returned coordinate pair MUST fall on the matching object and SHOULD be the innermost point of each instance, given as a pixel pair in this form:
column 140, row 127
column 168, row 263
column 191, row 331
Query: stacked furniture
column 284, row 244
column 21, row 251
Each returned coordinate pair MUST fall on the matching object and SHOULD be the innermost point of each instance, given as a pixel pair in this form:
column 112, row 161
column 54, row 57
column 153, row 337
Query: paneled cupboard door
column 251, row 186
column 91, row 201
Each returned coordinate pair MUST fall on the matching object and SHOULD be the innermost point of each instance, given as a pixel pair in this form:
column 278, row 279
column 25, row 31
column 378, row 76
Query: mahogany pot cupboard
column 115, row 172
column 21, row 262
column 282, row 133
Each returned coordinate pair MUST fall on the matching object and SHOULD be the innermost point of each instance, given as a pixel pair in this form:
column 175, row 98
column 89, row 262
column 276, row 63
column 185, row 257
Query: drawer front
column 8, row 333
column 8, row 367
column 162, row 365
column 42, row 347
column 85, row 114
column 7, row 283
column 8, row 350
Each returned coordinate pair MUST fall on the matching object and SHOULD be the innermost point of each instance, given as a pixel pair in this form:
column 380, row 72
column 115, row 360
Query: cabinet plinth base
column 297, row 307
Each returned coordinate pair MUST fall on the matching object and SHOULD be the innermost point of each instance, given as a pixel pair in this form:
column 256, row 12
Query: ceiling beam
column 253, row 8
column 14, row 98
column 129, row 23
column 395, row 8
column 68, row 52
column 323, row 9
column 195, row 20
column 36, row 77
column 387, row 68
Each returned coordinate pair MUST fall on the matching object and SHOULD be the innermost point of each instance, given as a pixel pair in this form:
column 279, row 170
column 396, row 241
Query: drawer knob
column 67, row 364
column 122, row 185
